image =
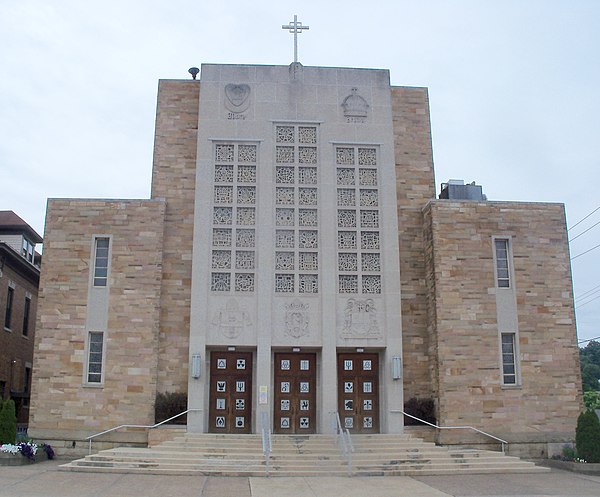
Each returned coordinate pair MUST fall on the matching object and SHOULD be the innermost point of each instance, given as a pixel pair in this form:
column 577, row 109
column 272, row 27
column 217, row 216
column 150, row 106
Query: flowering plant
column 27, row 449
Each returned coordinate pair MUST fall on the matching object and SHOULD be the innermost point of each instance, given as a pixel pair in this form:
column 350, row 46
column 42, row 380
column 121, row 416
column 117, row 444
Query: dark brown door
column 358, row 391
column 295, row 393
column 230, row 392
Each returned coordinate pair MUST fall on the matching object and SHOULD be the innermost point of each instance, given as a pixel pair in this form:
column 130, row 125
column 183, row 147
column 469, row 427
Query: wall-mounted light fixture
column 396, row 367
column 196, row 365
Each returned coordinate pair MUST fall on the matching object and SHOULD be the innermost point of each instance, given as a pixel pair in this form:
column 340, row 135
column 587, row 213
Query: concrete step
column 231, row 455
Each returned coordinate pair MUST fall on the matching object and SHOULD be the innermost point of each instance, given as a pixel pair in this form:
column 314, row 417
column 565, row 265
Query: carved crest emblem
column 354, row 105
column 360, row 319
column 296, row 319
column 236, row 97
column 231, row 320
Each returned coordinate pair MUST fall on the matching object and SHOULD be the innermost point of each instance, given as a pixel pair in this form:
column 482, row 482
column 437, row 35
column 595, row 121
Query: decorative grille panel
column 308, row 283
column 246, row 174
column 348, row 283
column 284, row 261
column 223, row 174
column 224, row 153
column 235, row 164
column 247, row 153
column 357, row 179
column 296, row 200
column 222, row 215
column 284, row 217
column 284, row 283
column 244, row 259
column 307, row 134
column 309, row 261
column 307, row 217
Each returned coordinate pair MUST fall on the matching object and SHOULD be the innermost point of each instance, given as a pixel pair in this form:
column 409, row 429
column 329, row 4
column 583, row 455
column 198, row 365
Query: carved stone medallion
column 296, row 319
column 355, row 107
column 237, row 97
column 231, row 320
column 360, row 319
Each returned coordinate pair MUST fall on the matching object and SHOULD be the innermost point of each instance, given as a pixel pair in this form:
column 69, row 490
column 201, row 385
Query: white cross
column 295, row 27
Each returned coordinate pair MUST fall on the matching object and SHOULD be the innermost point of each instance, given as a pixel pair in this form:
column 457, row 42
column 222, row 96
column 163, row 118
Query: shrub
column 591, row 399
column 421, row 408
column 587, row 437
column 169, row 404
column 8, row 422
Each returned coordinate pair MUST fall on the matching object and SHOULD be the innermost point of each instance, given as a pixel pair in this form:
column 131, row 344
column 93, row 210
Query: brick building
column 19, row 280
column 293, row 262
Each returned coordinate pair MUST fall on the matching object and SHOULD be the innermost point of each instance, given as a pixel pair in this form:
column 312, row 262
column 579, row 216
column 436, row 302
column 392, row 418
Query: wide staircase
column 305, row 455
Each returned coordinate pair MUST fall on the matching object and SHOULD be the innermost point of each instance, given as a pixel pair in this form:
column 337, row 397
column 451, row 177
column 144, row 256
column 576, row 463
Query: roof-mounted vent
column 455, row 189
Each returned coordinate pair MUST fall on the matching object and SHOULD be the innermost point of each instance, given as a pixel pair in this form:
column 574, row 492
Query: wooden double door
column 295, row 392
column 230, row 392
column 358, row 391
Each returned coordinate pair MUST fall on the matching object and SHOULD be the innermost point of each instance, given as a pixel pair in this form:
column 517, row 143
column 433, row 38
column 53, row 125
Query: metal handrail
column 267, row 439
column 344, row 441
column 503, row 442
column 91, row 437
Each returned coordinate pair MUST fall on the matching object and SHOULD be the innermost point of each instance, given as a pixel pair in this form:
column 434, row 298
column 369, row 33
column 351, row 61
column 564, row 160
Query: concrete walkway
column 44, row 480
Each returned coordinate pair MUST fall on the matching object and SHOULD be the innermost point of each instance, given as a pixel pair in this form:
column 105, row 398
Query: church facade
column 292, row 263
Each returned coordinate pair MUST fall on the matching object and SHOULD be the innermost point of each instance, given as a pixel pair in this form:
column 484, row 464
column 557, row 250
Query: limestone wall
column 174, row 179
column 62, row 407
column 545, row 406
column 415, row 186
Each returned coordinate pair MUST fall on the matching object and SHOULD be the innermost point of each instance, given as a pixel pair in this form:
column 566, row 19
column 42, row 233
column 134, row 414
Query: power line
column 584, row 294
column 583, row 253
column 588, row 340
column 582, row 220
column 581, row 305
column 583, row 232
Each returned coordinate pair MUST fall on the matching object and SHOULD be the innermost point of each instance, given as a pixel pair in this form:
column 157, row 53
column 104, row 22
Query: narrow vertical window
column 95, row 357
column 509, row 363
column 27, row 380
column 8, row 310
column 502, row 268
column 101, row 261
column 26, row 312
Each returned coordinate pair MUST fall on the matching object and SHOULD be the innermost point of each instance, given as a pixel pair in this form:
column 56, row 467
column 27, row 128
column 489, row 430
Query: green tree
column 587, row 437
column 591, row 399
column 589, row 357
column 8, row 422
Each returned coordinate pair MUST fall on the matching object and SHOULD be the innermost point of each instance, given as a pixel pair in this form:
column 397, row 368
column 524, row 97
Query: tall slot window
column 95, row 356
column 9, row 305
column 101, row 261
column 502, row 267
column 509, row 362
column 26, row 312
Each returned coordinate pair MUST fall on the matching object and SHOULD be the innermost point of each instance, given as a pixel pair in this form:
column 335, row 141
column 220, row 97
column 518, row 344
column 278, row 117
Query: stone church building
column 293, row 262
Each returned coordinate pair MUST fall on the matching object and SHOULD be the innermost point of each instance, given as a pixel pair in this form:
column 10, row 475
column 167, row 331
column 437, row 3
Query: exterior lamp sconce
column 396, row 368
column 196, row 364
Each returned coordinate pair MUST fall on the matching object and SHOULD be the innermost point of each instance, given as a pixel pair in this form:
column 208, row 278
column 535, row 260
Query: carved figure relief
column 355, row 107
column 231, row 320
column 360, row 319
column 296, row 319
column 237, row 97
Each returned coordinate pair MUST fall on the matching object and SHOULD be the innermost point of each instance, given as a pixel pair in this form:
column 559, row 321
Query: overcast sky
column 513, row 88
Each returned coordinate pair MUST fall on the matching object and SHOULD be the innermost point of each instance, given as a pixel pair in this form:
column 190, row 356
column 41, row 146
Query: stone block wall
column 415, row 186
column 174, row 179
column 544, row 408
column 62, row 407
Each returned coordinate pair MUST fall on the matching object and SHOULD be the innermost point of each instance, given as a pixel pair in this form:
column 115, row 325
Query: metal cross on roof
column 295, row 27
